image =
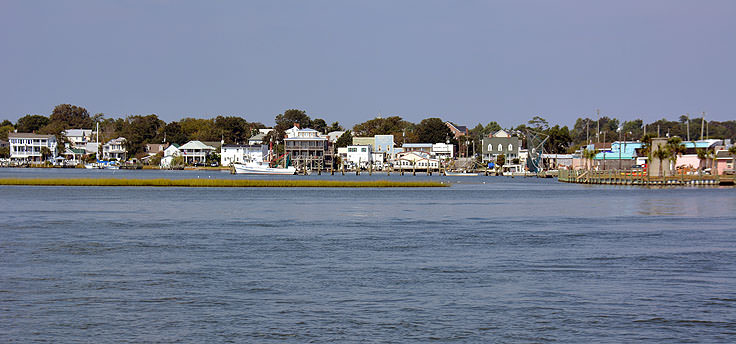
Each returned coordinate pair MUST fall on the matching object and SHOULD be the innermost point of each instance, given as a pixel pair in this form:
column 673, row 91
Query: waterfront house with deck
column 306, row 149
column 195, row 152
column 28, row 147
column 115, row 149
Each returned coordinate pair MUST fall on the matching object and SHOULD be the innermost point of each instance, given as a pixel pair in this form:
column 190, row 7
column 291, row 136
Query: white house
column 358, row 155
column 28, row 146
column 169, row 153
column 115, row 149
column 230, row 154
column 443, row 150
column 195, row 152
column 415, row 160
column 78, row 138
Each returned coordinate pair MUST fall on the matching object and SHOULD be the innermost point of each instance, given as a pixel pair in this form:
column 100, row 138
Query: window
column 500, row 148
column 511, row 148
column 363, row 150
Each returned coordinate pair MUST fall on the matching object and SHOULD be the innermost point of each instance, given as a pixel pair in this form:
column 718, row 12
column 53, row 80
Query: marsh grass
column 237, row 183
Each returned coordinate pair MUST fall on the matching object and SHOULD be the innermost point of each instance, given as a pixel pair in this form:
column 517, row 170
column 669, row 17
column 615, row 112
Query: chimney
column 296, row 124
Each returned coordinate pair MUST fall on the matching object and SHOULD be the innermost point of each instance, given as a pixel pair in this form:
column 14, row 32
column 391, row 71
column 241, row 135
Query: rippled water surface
column 490, row 259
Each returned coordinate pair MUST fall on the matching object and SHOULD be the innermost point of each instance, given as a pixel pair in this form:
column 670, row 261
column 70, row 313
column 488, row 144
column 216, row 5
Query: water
column 491, row 259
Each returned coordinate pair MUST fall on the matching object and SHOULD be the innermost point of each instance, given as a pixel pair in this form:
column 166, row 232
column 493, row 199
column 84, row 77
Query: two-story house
column 29, row 147
column 499, row 143
column 115, row 149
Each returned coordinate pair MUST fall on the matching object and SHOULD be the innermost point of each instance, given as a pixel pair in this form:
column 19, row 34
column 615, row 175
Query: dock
column 636, row 177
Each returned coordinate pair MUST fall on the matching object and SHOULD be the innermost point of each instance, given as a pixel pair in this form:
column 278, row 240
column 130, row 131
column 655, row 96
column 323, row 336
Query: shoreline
column 228, row 183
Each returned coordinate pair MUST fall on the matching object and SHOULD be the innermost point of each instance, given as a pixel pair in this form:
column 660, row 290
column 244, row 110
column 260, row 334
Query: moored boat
column 262, row 168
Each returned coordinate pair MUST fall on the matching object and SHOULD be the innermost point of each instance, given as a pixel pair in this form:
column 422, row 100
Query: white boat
column 94, row 166
column 262, row 168
column 461, row 174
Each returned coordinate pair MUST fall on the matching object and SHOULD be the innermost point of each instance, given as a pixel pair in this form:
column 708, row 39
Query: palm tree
column 676, row 149
column 702, row 155
column 662, row 153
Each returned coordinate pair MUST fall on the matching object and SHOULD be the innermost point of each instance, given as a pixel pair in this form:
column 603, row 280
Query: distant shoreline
column 232, row 183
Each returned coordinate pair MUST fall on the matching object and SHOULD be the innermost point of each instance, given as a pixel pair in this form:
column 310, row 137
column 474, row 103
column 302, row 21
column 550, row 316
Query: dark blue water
column 491, row 259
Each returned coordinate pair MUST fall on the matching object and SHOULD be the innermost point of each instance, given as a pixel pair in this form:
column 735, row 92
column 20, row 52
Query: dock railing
column 639, row 177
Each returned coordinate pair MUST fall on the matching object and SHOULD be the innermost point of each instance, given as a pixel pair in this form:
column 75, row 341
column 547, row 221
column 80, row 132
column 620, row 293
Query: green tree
column 559, row 139
column 538, row 123
column 233, row 129
column 335, row 126
column 732, row 151
column 381, row 126
column 46, row 153
column 31, row 123
column 676, row 149
column 71, row 116
column 346, row 139
column 173, row 133
column 319, row 125
column 662, row 153
column 500, row 161
column 491, row 128
column 4, row 130
column 4, row 152
column 433, row 130
column 140, row 130
column 287, row 120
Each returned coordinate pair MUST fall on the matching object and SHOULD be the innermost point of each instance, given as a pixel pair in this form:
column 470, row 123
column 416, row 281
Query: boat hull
column 259, row 169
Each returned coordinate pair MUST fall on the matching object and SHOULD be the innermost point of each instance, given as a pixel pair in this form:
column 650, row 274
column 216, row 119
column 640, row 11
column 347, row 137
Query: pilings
column 634, row 177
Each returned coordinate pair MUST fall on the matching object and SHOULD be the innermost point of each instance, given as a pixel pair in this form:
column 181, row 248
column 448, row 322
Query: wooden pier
column 636, row 177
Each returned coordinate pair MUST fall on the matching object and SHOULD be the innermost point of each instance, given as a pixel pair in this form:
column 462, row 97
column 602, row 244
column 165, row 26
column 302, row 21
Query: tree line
column 141, row 129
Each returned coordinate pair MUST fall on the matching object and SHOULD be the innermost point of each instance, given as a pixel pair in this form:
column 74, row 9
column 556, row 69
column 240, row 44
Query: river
column 489, row 259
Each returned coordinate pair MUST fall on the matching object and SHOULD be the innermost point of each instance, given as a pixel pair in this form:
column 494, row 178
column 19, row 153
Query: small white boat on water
column 262, row 168
column 461, row 174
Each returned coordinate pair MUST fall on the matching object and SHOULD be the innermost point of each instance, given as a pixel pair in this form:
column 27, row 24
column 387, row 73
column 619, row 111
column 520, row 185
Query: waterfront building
column 458, row 130
column 28, row 147
column 385, row 145
column 78, row 138
column 238, row 154
column 357, row 156
column 195, row 152
column 499, row 143
column 155, row 148
column 417, row 147
column 364, row 140
column 115, row 149
column 416, row 160
column 170, row 153
column 616, row 155
column 306, row 149
column 724, row 162
column 256, row 139
column 443, row 150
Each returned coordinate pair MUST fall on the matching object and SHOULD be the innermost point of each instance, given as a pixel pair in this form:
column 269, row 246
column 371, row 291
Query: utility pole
column 688, row 127
column 598, row 128
column 587, row 127
column 702, row 125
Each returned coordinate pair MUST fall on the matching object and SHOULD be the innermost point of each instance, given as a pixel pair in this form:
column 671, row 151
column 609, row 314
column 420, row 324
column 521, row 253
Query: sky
column 349, row 61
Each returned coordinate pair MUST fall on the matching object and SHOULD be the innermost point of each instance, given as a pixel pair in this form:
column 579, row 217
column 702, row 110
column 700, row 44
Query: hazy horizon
column 468, row 62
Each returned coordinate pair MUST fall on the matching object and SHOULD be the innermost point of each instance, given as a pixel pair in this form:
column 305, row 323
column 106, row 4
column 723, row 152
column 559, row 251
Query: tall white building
column 28, row 146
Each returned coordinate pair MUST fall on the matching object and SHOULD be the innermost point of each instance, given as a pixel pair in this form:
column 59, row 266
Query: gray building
column 501, row 143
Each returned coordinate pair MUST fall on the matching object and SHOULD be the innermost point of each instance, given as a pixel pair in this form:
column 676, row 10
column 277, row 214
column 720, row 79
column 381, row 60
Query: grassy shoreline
column 241, row 183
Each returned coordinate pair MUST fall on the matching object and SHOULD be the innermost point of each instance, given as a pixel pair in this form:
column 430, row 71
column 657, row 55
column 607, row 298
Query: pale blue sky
column 465, row 61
